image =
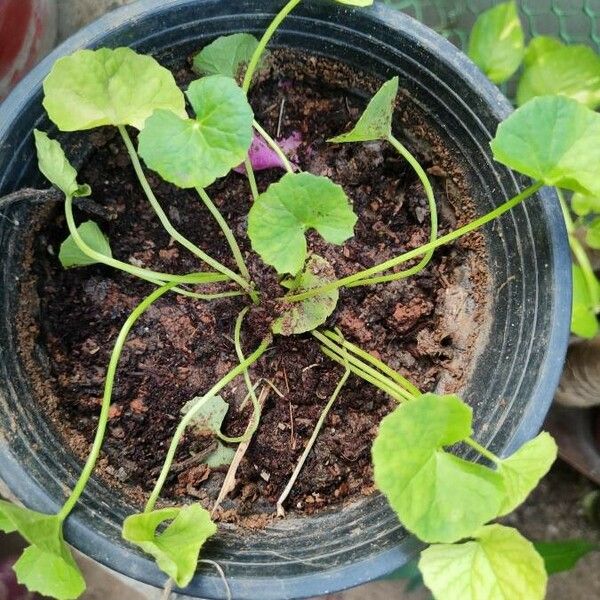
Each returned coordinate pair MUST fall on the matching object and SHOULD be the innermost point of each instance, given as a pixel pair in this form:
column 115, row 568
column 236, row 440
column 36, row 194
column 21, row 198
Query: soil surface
column 427, row 327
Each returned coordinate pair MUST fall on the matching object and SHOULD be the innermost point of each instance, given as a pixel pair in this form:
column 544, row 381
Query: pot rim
column 138, row 567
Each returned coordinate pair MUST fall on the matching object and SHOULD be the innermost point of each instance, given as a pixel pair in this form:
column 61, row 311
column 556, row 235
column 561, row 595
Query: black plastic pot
column 515, row 373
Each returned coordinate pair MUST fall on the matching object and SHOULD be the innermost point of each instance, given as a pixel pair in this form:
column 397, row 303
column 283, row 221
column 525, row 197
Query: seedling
column 443, row 496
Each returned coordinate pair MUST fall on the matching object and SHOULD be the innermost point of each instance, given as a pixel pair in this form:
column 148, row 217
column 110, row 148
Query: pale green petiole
column 433, row 219
column 215, row 264
column 255, row 419
column 441, row 241
column 189, row 417
column 106, row 399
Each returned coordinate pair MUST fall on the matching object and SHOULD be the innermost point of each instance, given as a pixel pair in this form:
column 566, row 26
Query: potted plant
column 280, row 297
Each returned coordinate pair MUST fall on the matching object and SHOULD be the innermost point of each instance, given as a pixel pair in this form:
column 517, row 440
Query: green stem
column 106, row 399
column 441, row 241
column 235, row 249
column 579, row 253
column 422, row 175
column 483, row 451
column 215, row 264
column 147, row 275
column 189, row 416
column 377, row 382
column 266, row 38
column 379, row 364
column 275, row 147
column 255, row 419
column 311, row 441
column 251, row 178
column 353, row 361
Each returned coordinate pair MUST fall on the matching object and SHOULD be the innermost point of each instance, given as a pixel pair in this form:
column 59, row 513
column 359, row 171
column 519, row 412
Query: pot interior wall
column 514, row 374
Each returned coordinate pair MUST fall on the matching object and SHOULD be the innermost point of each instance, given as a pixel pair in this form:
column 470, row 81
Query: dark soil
column 427, row 327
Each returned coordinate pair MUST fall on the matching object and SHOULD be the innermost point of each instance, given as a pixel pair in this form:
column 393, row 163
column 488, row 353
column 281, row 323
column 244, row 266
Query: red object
column 27, row 33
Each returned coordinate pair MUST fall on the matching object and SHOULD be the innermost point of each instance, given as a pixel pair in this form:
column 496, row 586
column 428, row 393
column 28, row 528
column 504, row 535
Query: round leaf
column 555, row 140
column 226, row 55
column 195, row 152
column 437, row 496
column 584, row 322
column 176, row 549
column 583, row 205
column 71, row 256
column 376, row 122
column 523, row 470
column 91, row 88
column 552, row 69
column 538, row 47
column 305, row 316
column 592, row 236
column 56, row 168
column 280, row 217
column 497, row 43
column 499, row 565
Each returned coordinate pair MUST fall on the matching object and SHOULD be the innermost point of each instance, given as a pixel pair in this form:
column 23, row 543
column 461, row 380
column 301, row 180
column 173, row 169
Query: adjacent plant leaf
column 555, row 140
column 376, row 122
column 71, row 256
column 538, row 47
column 223, row 455
column 91, row 88
column 46, row 566
column 497, row 43
column 437, row 496
column 176, row 549
column 279, row 218
column 195, row 152
column 592, row 236
column 228, row 55
column 583, row 205
column 555, row 69
column 563, row 556
column 499, row 565
column 584, row 322
column 523, row 470
column 307, row 315
column 53, row 163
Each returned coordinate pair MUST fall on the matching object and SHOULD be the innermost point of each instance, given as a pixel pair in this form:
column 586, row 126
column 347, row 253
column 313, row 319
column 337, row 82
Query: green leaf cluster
column 176, row 548
column 497, row 43
column 279, row 219
column 438, row 496
column 46, row 566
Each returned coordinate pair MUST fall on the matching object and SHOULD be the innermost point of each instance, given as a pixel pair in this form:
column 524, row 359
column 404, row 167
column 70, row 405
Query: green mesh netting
column 574, row 21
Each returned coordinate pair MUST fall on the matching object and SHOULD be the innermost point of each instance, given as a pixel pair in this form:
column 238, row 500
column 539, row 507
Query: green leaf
column 437, row 496
column 523, row 470
column 555, row 69
column 223, row 455
column 563, row 556
column 227, row 55
column 499, row 565
column 91, row 88
column 176, row 549
column 195, row 152
column 497, row 43
column 307, row 315
column 376, row 122
column 583, row 205
column 279, row 218
column 71, row 256
column 47, row 565
column 539, row 47
column 584, row 322
column 361, row 3
column 592, row 236
column 555, row 140
column 53, row 163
